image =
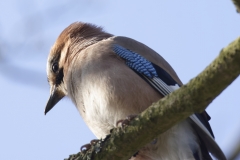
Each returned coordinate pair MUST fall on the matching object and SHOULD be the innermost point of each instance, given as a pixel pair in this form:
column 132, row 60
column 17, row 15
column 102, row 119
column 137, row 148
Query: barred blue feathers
column 136, row 62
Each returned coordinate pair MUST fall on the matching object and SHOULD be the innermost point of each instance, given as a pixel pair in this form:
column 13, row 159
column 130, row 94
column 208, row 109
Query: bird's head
column 70, row 42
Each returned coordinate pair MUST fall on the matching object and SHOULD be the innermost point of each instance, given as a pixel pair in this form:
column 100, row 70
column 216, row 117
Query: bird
column 110, row 77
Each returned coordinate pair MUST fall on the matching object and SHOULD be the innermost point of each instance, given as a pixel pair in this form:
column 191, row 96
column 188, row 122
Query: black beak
column 55, row 96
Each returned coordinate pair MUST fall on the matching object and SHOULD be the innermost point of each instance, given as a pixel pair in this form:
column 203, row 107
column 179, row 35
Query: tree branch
column 122, row 143
column 237, row 5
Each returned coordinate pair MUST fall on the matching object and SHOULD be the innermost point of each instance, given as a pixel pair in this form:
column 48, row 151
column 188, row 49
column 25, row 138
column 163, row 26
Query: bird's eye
column 55, row 67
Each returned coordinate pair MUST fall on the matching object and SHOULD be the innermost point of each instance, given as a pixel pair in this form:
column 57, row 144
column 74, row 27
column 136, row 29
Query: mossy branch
column 237, row 5
column 193, row 97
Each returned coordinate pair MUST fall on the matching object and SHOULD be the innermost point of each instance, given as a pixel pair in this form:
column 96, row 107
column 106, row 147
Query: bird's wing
column 164, row 80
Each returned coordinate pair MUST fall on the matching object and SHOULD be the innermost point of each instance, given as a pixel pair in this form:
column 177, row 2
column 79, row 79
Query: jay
column 111, row 77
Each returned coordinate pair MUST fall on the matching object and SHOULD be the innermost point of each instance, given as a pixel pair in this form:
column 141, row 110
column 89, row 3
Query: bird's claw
column 86, row 147
column 94, row 141
column 89, row 145
column 125, row 122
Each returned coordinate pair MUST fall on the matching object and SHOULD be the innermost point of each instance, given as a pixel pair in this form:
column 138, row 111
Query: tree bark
column 237, row 5
column 193, row 97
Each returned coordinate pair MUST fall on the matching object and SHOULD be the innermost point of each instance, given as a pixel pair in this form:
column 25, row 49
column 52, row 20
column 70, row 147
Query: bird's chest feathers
column 102, row 102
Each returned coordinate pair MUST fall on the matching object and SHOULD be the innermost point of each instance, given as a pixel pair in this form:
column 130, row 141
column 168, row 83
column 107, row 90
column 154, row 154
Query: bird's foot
column 125, row 122
column 86, row 147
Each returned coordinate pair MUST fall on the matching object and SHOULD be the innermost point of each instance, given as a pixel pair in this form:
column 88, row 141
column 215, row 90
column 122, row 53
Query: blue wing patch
column 142, row 66
column 136, row 62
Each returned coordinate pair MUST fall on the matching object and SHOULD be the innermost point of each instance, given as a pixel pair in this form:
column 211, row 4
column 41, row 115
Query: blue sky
column 188, row 34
